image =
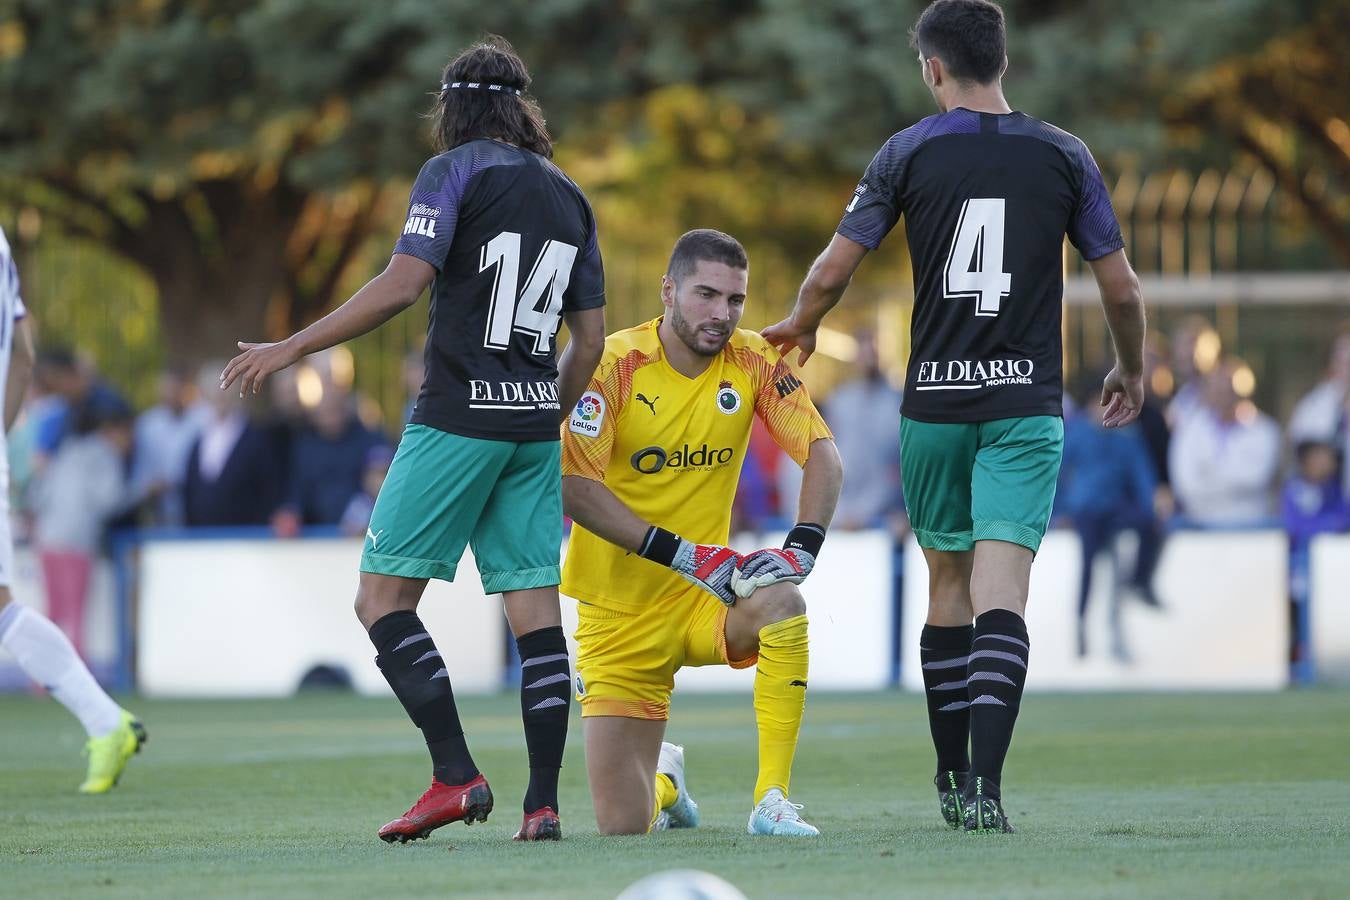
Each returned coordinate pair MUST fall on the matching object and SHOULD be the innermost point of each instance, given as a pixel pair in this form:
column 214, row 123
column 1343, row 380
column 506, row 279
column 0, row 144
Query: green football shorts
column 444, row 491
column 980, row 481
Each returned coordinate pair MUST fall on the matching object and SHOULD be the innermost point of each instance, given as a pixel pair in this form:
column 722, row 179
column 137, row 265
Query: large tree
column 241, row 151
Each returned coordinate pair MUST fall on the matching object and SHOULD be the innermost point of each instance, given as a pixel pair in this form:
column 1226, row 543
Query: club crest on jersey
column 728, row 400
column 588, row 415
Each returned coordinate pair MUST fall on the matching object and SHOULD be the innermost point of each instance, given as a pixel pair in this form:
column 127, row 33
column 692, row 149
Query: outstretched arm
column 826, row 282
column 384, row 296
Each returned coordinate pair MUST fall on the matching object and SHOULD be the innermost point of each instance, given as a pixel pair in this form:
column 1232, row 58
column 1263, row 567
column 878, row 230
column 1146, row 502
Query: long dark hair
column 460, row 115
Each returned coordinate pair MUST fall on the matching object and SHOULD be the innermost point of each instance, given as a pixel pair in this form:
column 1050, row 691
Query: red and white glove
column 710, row 566
column 770, row 566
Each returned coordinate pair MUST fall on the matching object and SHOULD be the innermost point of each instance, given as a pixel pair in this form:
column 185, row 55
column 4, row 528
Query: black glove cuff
column 660, row 546
column 806, row 536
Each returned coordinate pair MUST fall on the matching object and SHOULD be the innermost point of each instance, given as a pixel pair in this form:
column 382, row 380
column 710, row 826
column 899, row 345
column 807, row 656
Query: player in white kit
column 42, row 650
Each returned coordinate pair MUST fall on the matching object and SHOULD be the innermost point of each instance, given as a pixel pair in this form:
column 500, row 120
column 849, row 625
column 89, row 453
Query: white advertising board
column 1330, row 607
column 251, row 617
column 1224, row 624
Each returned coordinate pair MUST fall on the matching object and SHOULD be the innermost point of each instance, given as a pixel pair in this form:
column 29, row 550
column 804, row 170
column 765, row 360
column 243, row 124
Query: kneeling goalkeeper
column 651, row 457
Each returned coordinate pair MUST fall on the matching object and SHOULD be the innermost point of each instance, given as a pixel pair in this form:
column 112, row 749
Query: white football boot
column 684, row 811
column 777, row 815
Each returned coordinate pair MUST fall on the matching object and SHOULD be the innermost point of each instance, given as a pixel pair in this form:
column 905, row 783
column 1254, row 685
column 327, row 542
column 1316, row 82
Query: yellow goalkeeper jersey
column 671, row 448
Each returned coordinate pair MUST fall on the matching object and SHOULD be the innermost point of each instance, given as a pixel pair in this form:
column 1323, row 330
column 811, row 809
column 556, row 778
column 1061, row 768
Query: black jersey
column 514, row 246
column 987, row 200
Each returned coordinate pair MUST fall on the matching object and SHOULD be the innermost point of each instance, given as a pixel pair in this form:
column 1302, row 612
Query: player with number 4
column 507, row 243
column 988, row 195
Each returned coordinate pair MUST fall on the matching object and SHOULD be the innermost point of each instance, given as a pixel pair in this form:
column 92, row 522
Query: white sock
column 47, row 655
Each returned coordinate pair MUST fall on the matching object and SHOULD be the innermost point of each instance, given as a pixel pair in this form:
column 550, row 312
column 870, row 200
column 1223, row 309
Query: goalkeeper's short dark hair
column 705, row 244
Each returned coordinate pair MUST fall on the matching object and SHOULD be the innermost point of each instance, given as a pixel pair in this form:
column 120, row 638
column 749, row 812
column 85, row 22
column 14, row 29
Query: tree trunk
column 213, row 293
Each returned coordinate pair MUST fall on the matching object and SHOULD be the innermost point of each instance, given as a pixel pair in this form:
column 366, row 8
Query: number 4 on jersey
column 550, row 275
column 979, row 242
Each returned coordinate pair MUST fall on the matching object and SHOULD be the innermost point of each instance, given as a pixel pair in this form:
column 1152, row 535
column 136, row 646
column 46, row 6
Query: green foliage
column 253, row 156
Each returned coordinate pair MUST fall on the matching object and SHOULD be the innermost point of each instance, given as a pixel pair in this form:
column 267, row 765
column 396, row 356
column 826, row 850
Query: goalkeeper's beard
column 693, row 337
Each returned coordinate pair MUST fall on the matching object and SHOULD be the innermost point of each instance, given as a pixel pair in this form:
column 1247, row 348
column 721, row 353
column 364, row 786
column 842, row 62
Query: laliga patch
column 588, row 415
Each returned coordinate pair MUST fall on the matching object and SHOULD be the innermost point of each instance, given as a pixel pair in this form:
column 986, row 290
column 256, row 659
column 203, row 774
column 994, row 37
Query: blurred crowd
column 84, row 463
column 314, row 454
column 1201, row 456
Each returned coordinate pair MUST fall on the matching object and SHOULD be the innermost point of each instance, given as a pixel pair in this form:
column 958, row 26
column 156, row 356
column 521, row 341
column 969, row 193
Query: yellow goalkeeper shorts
column 626, row 662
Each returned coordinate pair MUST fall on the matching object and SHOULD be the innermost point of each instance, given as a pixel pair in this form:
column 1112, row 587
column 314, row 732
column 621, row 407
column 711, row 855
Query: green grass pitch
column 1113, row 796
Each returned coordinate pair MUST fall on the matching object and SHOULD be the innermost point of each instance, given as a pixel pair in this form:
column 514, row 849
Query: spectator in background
column 1323, row 415
column 1225, row 454
column 165, row 435
column 1156, row 434
column 757, row 508
column 859, row 413
column 1106, row 486
column 235, row 475
column 328, row 462
column 82, row 489
column 356, row 517
column 79, row 396
column 1196, row 348
column 1313, row 503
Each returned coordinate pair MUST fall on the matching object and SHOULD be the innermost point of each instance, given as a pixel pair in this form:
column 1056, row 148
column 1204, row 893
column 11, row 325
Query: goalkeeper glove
column 793, row 563
column 710, row 566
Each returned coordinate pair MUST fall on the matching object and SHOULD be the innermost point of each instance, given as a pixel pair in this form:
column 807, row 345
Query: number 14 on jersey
column 975, row 262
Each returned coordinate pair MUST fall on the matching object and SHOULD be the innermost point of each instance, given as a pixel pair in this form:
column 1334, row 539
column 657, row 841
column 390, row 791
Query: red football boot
column 441, row 805
column 541, row 825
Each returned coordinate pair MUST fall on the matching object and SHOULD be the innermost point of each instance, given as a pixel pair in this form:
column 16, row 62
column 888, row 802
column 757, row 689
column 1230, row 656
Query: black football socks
column 996, row 675
column 545, row 698
column 413, row 667
column 944, row 652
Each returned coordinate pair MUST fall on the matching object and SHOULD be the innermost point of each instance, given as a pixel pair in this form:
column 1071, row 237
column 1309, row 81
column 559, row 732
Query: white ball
column 682, row 884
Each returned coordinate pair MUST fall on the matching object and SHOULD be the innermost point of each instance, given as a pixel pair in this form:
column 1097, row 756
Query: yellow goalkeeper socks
column 780, row 698
column 666, row 794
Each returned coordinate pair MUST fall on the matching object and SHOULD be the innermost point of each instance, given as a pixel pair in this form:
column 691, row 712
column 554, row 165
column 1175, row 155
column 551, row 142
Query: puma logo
column 796, row 683
column 651, row 404
column 374, row 538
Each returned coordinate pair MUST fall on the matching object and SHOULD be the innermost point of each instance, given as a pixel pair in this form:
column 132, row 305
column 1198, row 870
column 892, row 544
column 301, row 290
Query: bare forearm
column 1124, row 308
column 1125, row 319
column 15, row 389
column 594, row 507
column 20, row 372
column 383, row 297
column 822, row 478
column 574, row 372
column 820, row 292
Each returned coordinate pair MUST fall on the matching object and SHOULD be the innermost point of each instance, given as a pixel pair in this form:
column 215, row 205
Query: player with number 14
column 507, row 243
